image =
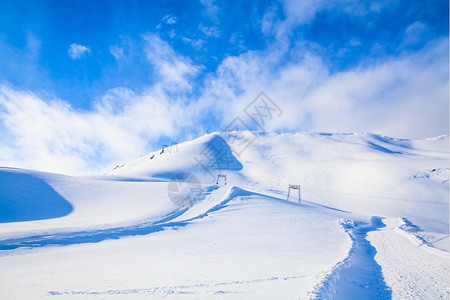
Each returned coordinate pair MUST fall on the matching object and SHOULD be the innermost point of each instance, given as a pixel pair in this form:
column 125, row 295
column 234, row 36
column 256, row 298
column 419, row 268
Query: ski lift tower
column 294, row 187
column 221, row 176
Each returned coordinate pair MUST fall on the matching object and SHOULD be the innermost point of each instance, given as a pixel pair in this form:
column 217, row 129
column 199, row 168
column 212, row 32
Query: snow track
column 358, row 276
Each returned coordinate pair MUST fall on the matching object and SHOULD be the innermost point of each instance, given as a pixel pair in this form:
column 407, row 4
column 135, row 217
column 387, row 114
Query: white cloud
column 196, row 44
column 51, row 136
column 170, row 19
column 302, row 11
column 172, row 33
column 299, row 12
column 77, row 51
column 238, row 40
column 270, row 23
column 173, row 68
column 404, row 96
column 117, row 52
column 211, row 31
column 414, row 33
column 354, row 42
column 211, row 9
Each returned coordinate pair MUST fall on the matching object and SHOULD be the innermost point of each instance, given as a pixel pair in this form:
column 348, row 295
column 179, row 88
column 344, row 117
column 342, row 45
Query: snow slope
column 413, row 270
column 362, row 173
column 123, row 234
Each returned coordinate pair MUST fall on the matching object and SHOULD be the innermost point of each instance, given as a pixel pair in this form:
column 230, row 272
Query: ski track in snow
column 358, row 276
column 213, row 289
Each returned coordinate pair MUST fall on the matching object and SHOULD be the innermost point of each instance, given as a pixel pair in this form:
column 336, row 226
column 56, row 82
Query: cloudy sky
column 87, row 85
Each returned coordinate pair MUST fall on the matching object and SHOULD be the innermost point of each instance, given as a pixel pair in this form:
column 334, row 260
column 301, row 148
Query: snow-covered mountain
column 373, row 222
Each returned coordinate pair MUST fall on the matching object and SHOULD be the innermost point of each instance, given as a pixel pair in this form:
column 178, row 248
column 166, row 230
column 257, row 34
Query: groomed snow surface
column 373, row 222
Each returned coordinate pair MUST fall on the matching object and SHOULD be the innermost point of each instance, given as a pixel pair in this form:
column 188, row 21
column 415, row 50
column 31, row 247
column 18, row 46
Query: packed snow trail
column 359, row 276
column 412, row 270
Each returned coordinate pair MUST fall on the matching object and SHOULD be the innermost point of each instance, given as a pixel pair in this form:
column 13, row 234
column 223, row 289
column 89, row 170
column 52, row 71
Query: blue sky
column 85, row 85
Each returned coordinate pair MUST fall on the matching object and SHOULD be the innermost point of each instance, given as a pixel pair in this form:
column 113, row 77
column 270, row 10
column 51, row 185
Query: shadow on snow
column 27, row 198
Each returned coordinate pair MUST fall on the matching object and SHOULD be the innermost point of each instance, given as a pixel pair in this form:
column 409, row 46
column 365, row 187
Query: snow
column 372, row 208
column 412, row 269
column 224, row 251
column 96, row 204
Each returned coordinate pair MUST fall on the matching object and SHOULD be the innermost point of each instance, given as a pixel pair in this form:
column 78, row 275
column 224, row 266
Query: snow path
column 358, row 276
column 412, row 269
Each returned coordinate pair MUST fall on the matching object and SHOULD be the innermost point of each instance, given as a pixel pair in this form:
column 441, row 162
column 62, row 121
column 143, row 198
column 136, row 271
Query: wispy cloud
column 117, row 52
column 41, row 133
column 172, row 67
column 405, row 96
column 211, row 31
column 211, row 9
column 50, row 135
column 77, row 51
column 414, row 33
column 196, row 44
column 170, row 19
column 303, row 11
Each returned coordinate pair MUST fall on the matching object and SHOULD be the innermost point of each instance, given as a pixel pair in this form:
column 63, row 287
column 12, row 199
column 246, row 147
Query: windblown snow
column 371, row 221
